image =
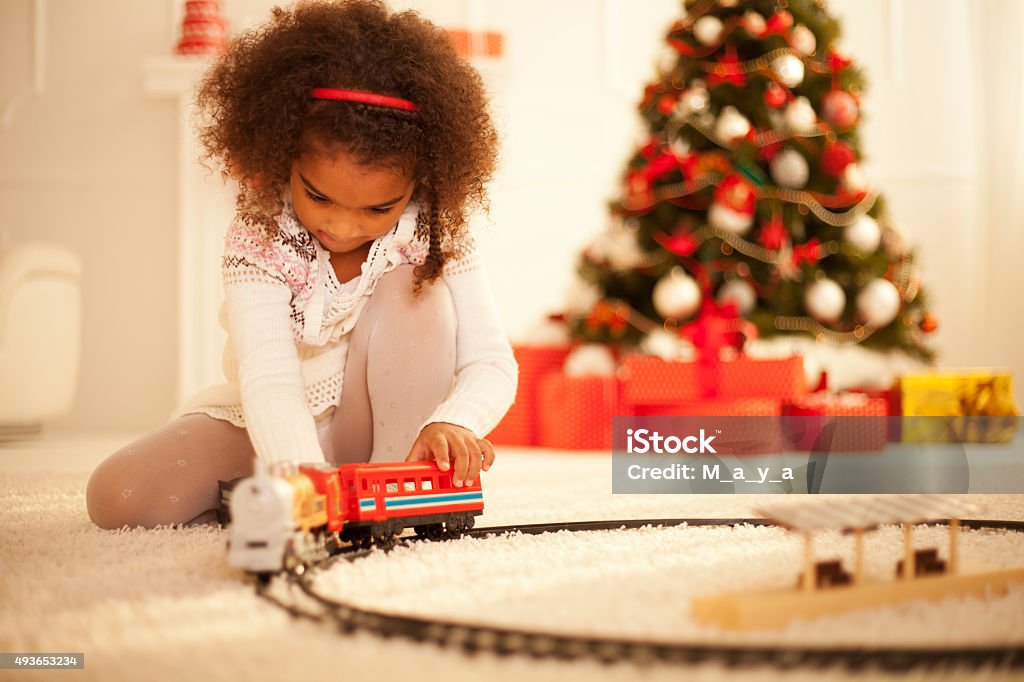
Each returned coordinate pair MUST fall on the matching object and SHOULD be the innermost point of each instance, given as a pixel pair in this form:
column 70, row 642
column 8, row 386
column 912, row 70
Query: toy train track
column 474, row 638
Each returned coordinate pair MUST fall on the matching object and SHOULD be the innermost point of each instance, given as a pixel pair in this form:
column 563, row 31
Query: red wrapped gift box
column 519, row 426
column 652, row 381
column 575, row 413
column 762, row 435
column 894, row 409
column 715, row 407
column 860, row 421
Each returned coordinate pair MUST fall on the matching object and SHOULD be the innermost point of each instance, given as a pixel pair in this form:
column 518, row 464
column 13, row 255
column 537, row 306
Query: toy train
column 300, row 514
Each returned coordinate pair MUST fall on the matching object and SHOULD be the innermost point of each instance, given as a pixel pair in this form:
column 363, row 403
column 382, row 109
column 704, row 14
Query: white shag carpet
column 162, row 604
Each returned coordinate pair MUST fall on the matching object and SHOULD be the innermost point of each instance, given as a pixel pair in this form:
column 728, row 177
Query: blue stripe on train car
column 433, row 499
column 422, row 500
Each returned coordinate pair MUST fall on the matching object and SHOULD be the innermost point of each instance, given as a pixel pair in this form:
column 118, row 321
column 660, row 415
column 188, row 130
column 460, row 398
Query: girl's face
column 346, row 205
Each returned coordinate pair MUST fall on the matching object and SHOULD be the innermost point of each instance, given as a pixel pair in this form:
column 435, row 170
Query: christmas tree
column 745, row 212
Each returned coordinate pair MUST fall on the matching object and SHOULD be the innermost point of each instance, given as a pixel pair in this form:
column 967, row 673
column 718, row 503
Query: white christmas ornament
column 825, row 300
column 667, row 346
column 692, row 100
column 667, row 60
column 800, row 114
column 680, row 146
column 789, row 69
column 731, row 124
column 878, row 303
column 676, row 295
column 864, row 234
column 803, row 40
column 590, row 359
column 739, row 292
column 708, row 30
column 853, row 178
column 789, row 169
column 754, row 23
column 724, row 218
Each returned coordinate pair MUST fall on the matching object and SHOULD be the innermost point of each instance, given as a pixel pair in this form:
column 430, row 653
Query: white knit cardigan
column 289, row 319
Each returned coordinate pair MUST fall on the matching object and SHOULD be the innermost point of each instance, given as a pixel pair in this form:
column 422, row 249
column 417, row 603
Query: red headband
column 364, row 97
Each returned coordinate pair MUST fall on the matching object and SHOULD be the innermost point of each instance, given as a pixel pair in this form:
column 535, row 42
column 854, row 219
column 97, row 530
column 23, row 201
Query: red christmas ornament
column 836, row 157
column 775, row 95
column 836, row 61
column 684, row 48
column 681, row 242
column 839, row 108
column 727, row 70
column 769, row 151
column 778, row 23
column 638, row 188
column 666, row 104
column 929, row 323
column 773, row 233
column 736, row 194
column 718, row 326
column 651, row 149
column 810, row 252
column 659, row 166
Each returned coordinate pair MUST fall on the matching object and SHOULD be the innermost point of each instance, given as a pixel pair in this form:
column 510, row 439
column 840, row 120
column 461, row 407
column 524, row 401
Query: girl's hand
column 443, row 442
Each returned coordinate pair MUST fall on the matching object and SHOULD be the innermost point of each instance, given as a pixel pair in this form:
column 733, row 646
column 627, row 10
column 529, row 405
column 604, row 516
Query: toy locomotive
column 300, row 514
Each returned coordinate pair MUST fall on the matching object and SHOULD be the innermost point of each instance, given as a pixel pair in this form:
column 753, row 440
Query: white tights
column 400, row 367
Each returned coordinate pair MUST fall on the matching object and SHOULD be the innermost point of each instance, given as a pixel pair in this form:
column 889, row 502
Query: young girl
column 361, row 325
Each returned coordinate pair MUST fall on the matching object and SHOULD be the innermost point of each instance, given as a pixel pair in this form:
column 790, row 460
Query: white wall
column 918, row 134
column 91, row 162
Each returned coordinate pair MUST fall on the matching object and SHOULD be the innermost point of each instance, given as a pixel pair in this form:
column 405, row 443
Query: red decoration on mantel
column 203, row 29
column 471, row 44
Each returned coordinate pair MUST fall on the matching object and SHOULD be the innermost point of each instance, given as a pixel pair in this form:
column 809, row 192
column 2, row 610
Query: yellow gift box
column 965, row 406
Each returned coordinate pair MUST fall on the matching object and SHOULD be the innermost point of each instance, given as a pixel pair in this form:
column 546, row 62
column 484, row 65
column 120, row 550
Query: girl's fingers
column 461, row 453
column 473, row 456
column 488, row 452
column 439, row 446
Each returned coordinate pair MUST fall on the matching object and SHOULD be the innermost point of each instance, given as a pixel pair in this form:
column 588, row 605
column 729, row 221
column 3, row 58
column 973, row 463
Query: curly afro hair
column 260, row 116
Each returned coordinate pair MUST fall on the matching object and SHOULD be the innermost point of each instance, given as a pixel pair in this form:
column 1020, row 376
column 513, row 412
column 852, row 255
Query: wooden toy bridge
column 826, row 587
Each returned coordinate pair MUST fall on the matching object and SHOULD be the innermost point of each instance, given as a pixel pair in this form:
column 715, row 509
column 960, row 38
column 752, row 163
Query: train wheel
column 455, row 525
column 430, row 531
column 383, row 535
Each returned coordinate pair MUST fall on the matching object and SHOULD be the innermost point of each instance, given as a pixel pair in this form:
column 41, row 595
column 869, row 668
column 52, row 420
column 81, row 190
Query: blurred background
column 96, row 158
